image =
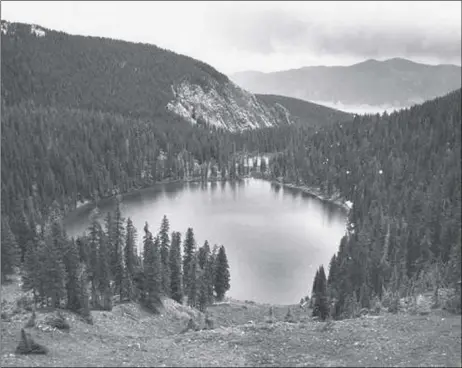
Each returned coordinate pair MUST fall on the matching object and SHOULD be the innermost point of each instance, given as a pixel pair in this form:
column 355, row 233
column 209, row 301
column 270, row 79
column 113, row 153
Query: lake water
column 275, row 237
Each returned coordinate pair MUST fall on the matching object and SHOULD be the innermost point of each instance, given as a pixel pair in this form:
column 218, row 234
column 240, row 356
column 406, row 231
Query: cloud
column 266, row 36
column 357, row 30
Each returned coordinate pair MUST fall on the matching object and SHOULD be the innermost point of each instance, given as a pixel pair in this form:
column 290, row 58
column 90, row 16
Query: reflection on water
column 275, row 237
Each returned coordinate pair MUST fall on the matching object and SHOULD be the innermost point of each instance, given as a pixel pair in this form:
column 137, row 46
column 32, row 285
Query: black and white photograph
column 231, row 183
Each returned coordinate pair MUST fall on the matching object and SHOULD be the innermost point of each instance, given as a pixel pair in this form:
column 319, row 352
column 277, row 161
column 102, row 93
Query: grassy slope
column 128, row 336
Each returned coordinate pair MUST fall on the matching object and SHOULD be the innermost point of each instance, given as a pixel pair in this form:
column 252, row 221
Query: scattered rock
column 57, row 321
column 191, row 326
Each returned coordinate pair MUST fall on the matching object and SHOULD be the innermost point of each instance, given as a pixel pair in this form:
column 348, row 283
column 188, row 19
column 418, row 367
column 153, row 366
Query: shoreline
column 314, row 192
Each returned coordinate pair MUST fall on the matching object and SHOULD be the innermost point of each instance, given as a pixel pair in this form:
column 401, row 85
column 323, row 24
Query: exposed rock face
column 225, row 106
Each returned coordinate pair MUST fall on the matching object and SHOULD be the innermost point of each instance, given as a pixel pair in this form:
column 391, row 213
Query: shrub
column 289, row 316
column 58, row 321
column 453, row 303
column 191, row 326
column 393, row 305
column 270, row 317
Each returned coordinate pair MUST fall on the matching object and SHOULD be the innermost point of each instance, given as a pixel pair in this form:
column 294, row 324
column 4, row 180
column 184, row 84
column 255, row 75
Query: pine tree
column 314, row 288
column 21, row 228
column 72, row 264
column 104, row 272
column 175, row 268
column 209, row 277
column 203, row 281
column 321, row 308
column 193, row 282
column 165, row 250
column 117, row 250
column 84, row 311
column 130, row 260
column 10, row 254
column 152, row 271
column 206, row 262
column 54, row 273
column 204, row 254
column 32, row 276
column 81, row 242
column 93, row 261
column 189, row 246
column 213, row 262
column 222, row 276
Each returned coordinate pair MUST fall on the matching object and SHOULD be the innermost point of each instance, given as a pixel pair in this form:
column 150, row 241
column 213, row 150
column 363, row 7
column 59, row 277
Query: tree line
column 104, row 265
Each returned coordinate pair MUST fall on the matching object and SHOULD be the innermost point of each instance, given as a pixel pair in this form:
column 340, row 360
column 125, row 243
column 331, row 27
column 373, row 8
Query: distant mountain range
column 136, row 80
column 395, row 82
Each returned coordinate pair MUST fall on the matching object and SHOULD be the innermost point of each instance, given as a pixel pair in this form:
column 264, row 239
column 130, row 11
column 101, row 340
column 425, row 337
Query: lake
column 275, row 237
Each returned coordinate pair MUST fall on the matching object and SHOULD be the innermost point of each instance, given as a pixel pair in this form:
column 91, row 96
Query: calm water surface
column 275, row 237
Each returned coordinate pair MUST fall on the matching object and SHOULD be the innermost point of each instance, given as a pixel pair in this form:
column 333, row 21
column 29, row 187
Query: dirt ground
column 242, row 336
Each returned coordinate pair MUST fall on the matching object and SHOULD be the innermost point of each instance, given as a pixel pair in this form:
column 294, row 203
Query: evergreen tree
column 321, row 307
column 193, row 291
column 222, row 276
column 85, row 311
column 104, row 272
column 203, row 297
column 10, row 254
column 206, row 284
column 314, row 288
column 152, row 271
column 54, row 273
column 93, row 261
column 73, row 287
column 130, row 260
column 32, row 276
column 82, row 246
column 189, row 246
column 21, row 227
column 165, row 249
column 204, row 254
column 117, row 250
column 175, row 268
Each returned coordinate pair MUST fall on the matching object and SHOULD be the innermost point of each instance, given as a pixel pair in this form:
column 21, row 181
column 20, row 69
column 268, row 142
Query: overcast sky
column 265, row 36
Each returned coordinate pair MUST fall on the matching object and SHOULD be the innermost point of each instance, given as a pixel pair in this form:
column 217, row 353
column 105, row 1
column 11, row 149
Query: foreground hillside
column 396, row 82
column 242, row 336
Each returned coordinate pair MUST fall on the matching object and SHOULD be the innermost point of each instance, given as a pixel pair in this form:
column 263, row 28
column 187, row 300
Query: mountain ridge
column 397, row 82
column 131, row 79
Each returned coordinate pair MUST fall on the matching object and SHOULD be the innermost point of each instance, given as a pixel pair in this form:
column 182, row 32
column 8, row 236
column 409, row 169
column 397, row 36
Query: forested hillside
column 133, row 80
column 307, row 112
column 402, row 173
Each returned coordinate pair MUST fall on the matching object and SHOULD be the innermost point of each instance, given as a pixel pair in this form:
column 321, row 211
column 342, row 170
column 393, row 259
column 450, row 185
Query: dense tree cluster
column 104, row 264
column 402, row 174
